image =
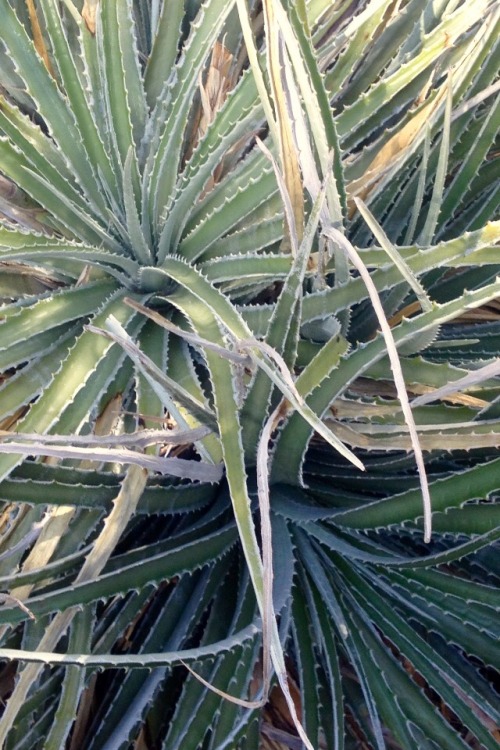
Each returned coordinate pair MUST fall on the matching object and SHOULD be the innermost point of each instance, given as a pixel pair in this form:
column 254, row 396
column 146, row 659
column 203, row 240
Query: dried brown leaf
column 89, row 12
column 391, row 151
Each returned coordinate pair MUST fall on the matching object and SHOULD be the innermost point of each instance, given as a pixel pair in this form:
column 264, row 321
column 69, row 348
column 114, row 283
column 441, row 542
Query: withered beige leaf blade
column 177, row 467
column 490, row 370
column 396, row 370
column 288, row 153
column 89, row 14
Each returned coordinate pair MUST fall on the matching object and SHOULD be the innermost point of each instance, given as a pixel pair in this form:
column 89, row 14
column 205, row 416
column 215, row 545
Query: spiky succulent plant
column 209, row 213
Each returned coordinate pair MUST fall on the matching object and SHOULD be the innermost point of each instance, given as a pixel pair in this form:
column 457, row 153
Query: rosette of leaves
column 188, row 321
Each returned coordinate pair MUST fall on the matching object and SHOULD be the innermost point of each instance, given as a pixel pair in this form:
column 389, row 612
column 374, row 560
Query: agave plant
column 209, row 213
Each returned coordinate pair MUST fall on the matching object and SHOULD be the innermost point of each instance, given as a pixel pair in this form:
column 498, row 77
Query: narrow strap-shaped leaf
column 60, row 307
column 21, row 388
column 463, row 179
column 164, row 50
column 452, row 618
column 294, row 437
column 419, row 196
column 164, row 157
column 227, row 414
column 166, row 388
column 468, row 591
column 189, row 556
column 212, row 713
column 114, row 525
column 283, row 324
column 219, row 306
column 451, row 491
column 96, row 490
column 71, row 378
column 78, row 97
column 132, row 660
column 73, row 682
column 450, row 28
column 123, row 82
column 360, row 63
column 393, row 254
column 32, row 348
column 232, row 125
column 304, row 643
column 176, row 467
column 288, row 153
column 140, row 244
column 69, row 218
column 118, row 266
column 318, row 576
column 330, row 659
column 51, row 105
column 316, row 102
column 253, row 58
column 431, row 220
column 254, row 266
column 246, row 188
column 353, row 43
column 256, row 234
column 457, row 252
column 412, row 646
column 189, row 601
column 198, row 311
column 39, row 150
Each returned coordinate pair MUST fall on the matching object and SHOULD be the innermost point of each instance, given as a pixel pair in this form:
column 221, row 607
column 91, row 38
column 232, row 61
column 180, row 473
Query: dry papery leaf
column 89, row 12
column 213, row 93
column 391, row 151
column 217, row 85
column 38, row 36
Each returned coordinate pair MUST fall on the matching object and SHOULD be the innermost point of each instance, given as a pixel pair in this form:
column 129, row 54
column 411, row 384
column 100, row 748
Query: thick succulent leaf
column 168, row 628
column 250, row 185
column 283, row 331
column 25, row 385
column 155, row 569
column 449, row 492
column 239, row 116
column 51, row 312
column 229, row 672
column 110, row 171
column 450, row 684
column 67, row 217
column 164, row 49
column 166, row 389
column 127, row 105
column 357, row 116
column 75, row 375
column 312, row 89
column 91, row 489
column 306, row 661
column 166, row 141
column 250, row 266
column 51, row 105
column 436, row 601
column 456, row 252
column 320, row 580
column 456, row 192
column 199, row 308
column 73, row 682
column 37, row 345
column 39, row 150
column 294, row 437
column 412, row 711
column 77, row 92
